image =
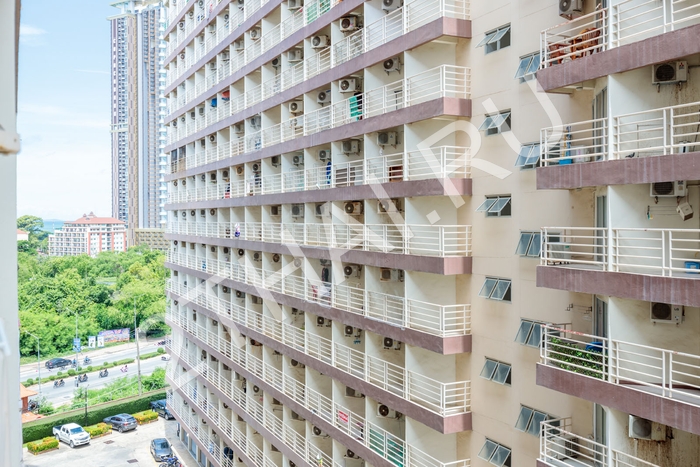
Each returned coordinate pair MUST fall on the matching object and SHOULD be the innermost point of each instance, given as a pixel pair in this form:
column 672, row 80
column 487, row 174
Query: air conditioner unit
column 670, row 73
column 240, row 294
column 297, row 122
column 255, row 34
column 349, row 453
column 563, row 447
column 349, row 331
column 255, row 122
column 354, row 208
column 256, row 389
column 570, row 8
column 181, row 25
column 668, row 189
column 348, row 24
column 318, row 433
column 351, row 146
column 324, row 154
column 239, row 170
column 297, row 210
column 297, row 262
column 256, row 300
column 295, row 55
column 225, row 289
column 241, row 4
column 665, row 313
column 320, row 41
column 320, row 321
column 386, row 137
column 239, row 128
column 239, row 45
column 385, row 206
column 352, row 462
column 296, row 107
column 297, row 364
column 392, row 64
column 276, row 258
column 212, row 138
column 296, row 416
column 225, row 56
column 190, row 14
column 350, row 392
column 225, row 175
column 383, row 411
column 275, row 210
column 276, row 62
column 212, row 66
column 257, row 256
column 256, row 167
column 641, row 428
column 204, row 177
column 298, row 160
column 352, row 270
column 324, row 97
column 294, row 4
column 349, row 85
column 226, row 17
column 226, row 250
column 212, row 212
column 322, row 210
column 391, row 5
column 275, row 161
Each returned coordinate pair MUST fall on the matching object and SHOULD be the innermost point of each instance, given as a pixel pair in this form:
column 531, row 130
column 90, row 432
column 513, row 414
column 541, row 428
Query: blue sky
column 64, row 168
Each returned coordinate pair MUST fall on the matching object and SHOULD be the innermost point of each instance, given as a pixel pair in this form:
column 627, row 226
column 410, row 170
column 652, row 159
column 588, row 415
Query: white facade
column 360, row 201
column 88, row 235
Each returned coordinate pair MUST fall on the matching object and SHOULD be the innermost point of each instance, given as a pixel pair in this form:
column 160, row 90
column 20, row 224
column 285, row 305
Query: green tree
column 30, row 224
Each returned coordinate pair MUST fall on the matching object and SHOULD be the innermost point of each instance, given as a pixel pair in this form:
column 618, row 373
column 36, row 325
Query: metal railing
column 660, row 252
column 560, row 447
column 361, row 430
column 431, row 318
column 411, row 239
column 665, row 373
column 442, row 398
column 622, row 23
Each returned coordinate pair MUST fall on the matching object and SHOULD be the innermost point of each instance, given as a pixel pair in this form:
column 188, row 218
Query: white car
column 71, row 434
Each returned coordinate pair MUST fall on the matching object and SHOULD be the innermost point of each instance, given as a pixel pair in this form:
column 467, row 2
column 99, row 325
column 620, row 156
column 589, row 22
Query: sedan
column 57, row 363
column 160, row 408
column 160, row 449
column 122, row 422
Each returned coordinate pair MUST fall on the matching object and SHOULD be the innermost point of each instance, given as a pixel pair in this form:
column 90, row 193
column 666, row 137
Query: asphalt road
column 98, row 357
column 63, row 395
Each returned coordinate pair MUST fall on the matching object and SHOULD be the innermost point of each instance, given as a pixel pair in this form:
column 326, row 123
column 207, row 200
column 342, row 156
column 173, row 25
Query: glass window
column 487, row 450
column 529, row 244
column 537, row 419
column 489, row 369
column 495, row 371
column 486, row 205
column 496, row 123
column 499, row 205
column 487, row 38
column 496, row 289
column 496, row 206
column 501, row 290
column 495, row 453
column 524, row 418
column 523, row 66
column 495, row 39
column 529, row 156
column 529, row 333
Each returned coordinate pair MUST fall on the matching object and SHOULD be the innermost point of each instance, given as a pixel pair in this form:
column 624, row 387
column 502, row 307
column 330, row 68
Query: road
column 98, row 356
column 63, row 395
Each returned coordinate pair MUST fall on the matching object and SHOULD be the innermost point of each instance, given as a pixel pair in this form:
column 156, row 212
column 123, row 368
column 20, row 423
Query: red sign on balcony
column 342, row 416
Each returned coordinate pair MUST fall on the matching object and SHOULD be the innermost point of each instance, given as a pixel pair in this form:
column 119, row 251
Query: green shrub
column 125, row 361
column 29, row 382
column 43, row 445
column 161, row 350
column 145, row 416
column 59, row 373
column 71, row 372
column 148, row 355
column 98, row 429
column 106, row 364
column 89, row 368
column 43, row 427
column 114, row 364
column 52, row 378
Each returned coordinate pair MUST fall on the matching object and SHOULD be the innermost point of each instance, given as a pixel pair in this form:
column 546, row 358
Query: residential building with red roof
column 90, row 235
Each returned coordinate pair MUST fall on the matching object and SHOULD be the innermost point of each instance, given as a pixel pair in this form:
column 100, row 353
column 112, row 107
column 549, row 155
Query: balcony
column 444, row 407
column 655, row 265
column 654, row 145
column 424, row 317
column 657, row 384
column 624, row 36
column 403, row 239
column 560, row 447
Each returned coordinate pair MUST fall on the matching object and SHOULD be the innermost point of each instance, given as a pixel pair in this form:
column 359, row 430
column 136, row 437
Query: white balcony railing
column 560, row 447
column 622, row 23
column 431, row 318
column 655, row 132
column 410, row 239
column 366, row 433
column 659, row 252
column 668, row 374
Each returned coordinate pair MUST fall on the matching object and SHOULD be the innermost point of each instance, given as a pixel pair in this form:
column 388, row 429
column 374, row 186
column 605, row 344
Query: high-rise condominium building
column 138, row 161
column 436, row 233
column 11, row 427
column 89, row 235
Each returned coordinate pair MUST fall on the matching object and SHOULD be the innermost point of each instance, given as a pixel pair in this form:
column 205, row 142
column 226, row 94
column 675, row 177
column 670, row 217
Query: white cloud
column 31, row 35
column 27, row 30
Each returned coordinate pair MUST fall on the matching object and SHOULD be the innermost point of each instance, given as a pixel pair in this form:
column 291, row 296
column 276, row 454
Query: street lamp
column 38, row 358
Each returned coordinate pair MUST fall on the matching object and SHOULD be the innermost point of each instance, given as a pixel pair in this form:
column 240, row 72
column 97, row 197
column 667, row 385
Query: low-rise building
column 88, row 235
column 22, row 235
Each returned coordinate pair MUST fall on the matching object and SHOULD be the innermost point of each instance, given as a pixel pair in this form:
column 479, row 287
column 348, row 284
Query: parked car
column 161, row 409
column 57, row 363
column 122, row 422
column 72, row 434
column 160, row 449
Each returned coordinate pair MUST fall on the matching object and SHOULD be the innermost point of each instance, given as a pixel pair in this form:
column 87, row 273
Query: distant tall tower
column 138, row 190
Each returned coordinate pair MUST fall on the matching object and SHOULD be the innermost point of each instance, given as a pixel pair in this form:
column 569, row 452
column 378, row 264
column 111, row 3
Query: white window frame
column 532, row 419
column 493, row 206
column 526, row 333
column 494, row 285
column 494, row 124
column 496, row 39
column 529, row 244
column 498, row 372
column 489, row 451
column 529, row 156
column 527, row 67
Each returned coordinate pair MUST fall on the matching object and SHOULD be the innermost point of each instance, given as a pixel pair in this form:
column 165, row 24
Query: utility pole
column 86, row 404
column 138, row 352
